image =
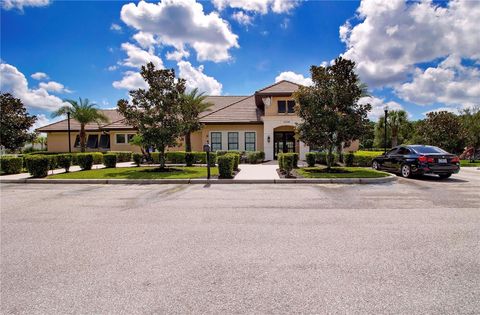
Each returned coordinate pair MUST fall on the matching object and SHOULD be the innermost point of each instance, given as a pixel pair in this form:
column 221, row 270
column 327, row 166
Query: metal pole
column 208, row 165
column 385, row 127
column 69, row 140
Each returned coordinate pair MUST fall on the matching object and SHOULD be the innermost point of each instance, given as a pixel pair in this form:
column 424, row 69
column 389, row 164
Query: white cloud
column 145, row 40
column 14, row 82
column 257, row 6
column 138, row 57
column 378, row 106
column 285, row 23
column 294, row 77
column 182, row 22
column 40, row 76
column 197, row 79
column 177, row 54
column 131, row 81
column 449, row 83
column 20, row 4
column 112, row 68
column 43, row 120
column 242, row 18
column 393, row 37
column 115, row 27
column 53, row 86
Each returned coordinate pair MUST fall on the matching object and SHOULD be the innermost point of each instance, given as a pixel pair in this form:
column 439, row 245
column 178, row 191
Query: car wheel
column 444, row 175
column 375, row 165
column 406, row 171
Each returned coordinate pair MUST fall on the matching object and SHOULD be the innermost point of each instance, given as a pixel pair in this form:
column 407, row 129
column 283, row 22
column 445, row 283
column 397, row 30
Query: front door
column 283, row 142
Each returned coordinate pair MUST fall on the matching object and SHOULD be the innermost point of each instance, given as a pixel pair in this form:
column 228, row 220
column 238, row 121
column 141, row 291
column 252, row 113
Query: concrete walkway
column 257, row 171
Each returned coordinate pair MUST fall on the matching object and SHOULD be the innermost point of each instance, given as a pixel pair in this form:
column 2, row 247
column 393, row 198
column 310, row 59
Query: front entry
column 283, row 142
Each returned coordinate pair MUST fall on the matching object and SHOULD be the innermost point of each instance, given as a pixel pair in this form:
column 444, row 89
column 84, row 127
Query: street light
column 385, row 109
column 69, row 140
column 207, row 149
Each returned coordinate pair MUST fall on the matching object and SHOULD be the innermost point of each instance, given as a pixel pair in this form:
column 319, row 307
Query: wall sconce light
column 268, row 139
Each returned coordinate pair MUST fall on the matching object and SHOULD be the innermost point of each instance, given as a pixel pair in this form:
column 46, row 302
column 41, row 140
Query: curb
column 379, row 180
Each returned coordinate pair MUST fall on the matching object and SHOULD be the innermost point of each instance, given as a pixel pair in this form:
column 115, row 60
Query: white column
column 268, row 146
column 303, row 149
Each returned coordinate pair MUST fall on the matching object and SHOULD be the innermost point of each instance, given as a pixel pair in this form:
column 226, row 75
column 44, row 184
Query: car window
column 392, row 151
column 428, row 149
column 403, row 151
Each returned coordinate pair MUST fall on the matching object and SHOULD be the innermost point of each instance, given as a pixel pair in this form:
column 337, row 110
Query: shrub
column 37, row 165
column 255, row 157
column 213, row 158
column 122, row 156
column 137, row 158
column 221, row 152
column 155, row 157
column 311, row 158
column 236, row 160
column 85, row 161
column 280, row 161
column 289, row 161
column 226, row 165
column 349, row 159
column 64, row 161
column 363, row 159
column 52, row 161
column 175, row 157
column 189, row 158
column 322, row 158
column 199, row 157
column 11, row 164
column 110, row 160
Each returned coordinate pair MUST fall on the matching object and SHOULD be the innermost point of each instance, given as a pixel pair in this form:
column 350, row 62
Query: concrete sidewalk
column 257, row 171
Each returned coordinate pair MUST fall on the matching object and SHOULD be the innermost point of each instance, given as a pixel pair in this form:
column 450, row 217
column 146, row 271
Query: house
column 264, row 121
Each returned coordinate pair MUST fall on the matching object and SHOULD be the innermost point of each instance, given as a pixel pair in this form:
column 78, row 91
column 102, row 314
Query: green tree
column 157, row 111
column 84, row 113
column 14, row 122
column 397, row 121
column 192, row 105
column 139, row 142
column 367, row 139
column 331, row 115
column 471, row 126
column 442, row 129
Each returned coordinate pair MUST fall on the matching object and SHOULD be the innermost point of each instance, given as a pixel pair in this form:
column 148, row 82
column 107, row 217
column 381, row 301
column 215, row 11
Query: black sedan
column 409, row 160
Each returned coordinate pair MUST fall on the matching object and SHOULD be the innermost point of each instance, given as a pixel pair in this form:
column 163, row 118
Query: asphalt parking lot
column 408, row 247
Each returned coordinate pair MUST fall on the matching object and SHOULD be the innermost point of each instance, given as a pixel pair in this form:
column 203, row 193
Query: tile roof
column 283, row 86
column 242, row 111
column 115, row 120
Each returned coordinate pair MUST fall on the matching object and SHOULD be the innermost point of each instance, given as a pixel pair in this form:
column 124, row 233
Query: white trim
column 241, row 138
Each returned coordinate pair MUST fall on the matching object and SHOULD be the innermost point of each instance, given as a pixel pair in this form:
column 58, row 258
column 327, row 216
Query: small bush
column 236, row 160
column 221, row 152
column 37, row 165
column 11, row 164
column 64, row 161
column 289, row 162
column 311, row 158
column 85, row 161
column 155, row 157
column 175, row 157
column 122, row 156
column 189, row 158
column 52, row 161
column 349, row 159
column 226, row 165
column 199, row 157
column 280, row 162
column 322, row 158
column 110, row 160
column 213, row 158
column 254, row 157
column 137, row 158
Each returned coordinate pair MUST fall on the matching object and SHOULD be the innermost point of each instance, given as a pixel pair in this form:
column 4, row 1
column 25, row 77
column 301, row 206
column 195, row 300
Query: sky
column 417, row 56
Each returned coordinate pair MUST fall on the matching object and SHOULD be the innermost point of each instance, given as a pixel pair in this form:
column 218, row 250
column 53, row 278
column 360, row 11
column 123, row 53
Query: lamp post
column 385, row 109
column 206, row 148
column 69, row 140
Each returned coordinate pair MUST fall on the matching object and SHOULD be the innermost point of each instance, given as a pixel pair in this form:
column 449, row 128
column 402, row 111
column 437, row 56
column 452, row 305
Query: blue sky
column 93, row 49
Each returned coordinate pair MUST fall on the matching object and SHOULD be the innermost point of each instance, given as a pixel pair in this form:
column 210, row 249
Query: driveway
column 409, row 247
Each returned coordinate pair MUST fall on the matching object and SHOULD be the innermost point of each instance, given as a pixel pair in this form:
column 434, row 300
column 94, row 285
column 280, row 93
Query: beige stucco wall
column 272, row 110
column 58, row 142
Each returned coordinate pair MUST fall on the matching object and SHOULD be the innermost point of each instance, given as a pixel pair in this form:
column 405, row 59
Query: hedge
column 254, row 157
column 122, row 156
column 322, row 158
column 37, row 165
column 311, row 158
column 85, row 161
column 11, row 164
column 236, row 160
column 287, row 162
column 64, row 161
column 361, row 158
column 110, row 160
column 137, row 158
column 226, row 165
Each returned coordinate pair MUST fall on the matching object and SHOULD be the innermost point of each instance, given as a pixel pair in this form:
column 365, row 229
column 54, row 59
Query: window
column 233, row 141
column 77, row 142
column 403, row 151
column 120, row 138
column 92, row 141
column 250, row 141
column 282, row 107
column 104, row 142
column 216, row 141
column 291, row 107
column 426, row 149
column 130, row 137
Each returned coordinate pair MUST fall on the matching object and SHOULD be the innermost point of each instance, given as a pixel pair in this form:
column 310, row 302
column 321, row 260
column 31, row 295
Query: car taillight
column 456, row 159
column 425, row 159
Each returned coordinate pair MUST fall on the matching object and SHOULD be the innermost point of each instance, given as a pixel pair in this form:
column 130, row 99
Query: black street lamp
column 207, row 149
column 69, row 140
column 385, row 109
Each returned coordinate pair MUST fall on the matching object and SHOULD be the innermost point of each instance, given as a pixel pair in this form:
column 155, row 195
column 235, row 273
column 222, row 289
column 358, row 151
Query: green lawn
column 139, row 173
column 466, row 163
column 339, row 172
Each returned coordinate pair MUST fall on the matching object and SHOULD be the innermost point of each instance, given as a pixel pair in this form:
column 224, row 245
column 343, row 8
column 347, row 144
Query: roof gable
column 280, row 87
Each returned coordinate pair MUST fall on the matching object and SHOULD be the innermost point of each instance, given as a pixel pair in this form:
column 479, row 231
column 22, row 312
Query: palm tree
column 193, row 104
column 84, row 112
column 397, row 121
